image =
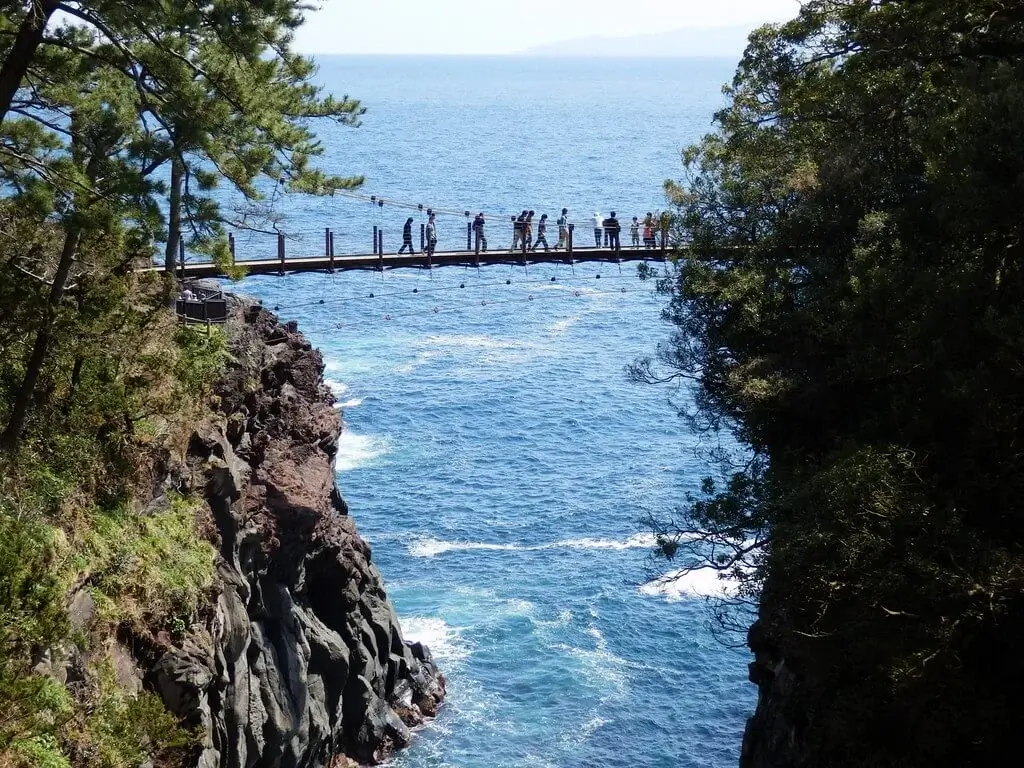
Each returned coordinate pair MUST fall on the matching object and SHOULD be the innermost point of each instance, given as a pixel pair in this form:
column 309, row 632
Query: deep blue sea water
column 495, row 455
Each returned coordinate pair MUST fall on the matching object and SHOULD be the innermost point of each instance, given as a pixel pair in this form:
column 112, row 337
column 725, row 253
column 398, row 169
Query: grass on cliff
column 148, row 570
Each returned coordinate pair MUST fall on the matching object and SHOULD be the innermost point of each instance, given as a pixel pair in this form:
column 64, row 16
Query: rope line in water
column 451, row 307
column 417, row 290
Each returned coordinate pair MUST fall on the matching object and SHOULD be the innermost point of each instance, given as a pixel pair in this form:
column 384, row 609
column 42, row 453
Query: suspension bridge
column 425, row 258
column 578, row 244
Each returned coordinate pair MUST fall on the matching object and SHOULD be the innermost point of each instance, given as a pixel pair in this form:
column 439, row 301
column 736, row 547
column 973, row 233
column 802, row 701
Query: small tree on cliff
column 851, row 310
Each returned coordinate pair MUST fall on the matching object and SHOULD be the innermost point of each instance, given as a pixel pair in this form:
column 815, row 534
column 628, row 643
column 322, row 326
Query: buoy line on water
column 462, row 285
column 315, row 327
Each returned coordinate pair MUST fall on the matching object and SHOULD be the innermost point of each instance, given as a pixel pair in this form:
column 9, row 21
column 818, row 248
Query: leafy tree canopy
column 851, row 308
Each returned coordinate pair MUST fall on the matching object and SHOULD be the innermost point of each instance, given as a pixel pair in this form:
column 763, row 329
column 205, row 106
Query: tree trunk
column 9, row 438
column 174, row 216
column 27, row 40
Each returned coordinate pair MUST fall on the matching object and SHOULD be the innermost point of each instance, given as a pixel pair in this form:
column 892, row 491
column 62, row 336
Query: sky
column 497, row 27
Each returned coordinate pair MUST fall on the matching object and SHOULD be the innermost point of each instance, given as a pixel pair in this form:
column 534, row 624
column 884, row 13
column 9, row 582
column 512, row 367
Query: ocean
column 495, row 455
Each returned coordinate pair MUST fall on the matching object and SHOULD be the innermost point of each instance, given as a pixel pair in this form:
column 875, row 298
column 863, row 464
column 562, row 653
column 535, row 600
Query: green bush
column 151, row 570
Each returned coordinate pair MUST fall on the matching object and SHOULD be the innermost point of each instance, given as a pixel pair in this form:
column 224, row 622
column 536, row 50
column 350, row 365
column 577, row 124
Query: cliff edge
column 300, row 661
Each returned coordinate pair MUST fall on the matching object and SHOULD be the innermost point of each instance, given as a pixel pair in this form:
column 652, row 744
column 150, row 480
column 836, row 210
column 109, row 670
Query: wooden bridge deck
column 292, row 264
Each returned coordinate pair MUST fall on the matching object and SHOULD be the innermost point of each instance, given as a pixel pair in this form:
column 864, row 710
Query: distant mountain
column 717, row 41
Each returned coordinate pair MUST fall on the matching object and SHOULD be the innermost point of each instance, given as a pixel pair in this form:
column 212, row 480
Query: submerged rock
column 302, row 660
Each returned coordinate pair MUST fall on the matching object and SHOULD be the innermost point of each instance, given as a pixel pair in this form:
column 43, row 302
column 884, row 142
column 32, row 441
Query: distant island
column 716, row 41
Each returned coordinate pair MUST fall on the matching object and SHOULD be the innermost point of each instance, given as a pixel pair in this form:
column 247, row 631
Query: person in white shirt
column 431, row 234
column 598, row 226
column 187, row 295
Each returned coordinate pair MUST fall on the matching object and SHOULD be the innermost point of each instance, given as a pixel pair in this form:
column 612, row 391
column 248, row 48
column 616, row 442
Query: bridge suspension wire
column 381, row 201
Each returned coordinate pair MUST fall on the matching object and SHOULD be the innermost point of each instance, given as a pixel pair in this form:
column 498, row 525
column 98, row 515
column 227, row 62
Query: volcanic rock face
column 302, row 661
column 772, row 736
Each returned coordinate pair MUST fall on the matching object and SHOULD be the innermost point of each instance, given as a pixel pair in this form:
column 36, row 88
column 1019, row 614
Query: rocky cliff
column 301, row 660
column 772, row 738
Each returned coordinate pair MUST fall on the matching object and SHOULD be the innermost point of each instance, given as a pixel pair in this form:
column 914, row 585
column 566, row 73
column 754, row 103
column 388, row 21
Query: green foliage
column 32, row 587
column 152, row 570
column 122, row 730
column 203, row 355
column 851, row 309
column 41, row 751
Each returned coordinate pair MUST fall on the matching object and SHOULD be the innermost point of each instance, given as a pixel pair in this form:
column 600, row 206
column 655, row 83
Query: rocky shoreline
column 301, row 660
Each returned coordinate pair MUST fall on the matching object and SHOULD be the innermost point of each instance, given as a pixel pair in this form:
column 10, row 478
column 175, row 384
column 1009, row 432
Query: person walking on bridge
column 528, row 231
column 634, row 233
column 407, row 237
column 478, row 231
column 518, row 230
column 598, row 228
column 563, row 230
column 542, row 233
column 611, row 232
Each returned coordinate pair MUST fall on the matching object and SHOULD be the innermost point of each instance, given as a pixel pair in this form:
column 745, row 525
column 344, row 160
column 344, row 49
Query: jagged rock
column 302, row 661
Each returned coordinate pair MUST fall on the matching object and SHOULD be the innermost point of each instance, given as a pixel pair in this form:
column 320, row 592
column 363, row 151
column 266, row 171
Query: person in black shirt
column 542, row 233
column 407, row 237
column 611, row 230
column 478, row 230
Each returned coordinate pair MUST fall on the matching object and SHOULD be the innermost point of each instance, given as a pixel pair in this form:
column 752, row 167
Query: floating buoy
column 575, row 293
column 530, row 297
column 623, row 290
column 483, row 303
column 462, row 285
column 598, row 277
column 508, row 282
column 415, row 290
column 371, row 295
column 321, row 301
column 552, row 279
column 276, row 308
column 436, row 310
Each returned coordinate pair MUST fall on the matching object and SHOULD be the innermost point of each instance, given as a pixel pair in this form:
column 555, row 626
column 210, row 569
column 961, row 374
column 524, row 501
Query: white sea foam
column 428, row 547
column 445, row 642
column 563, row 325
column 431, row 547
column 599, row 664
column 421, row 359
column 680, row 585
column 354, row 402
column 473, row 341
column 590, row 727
column 338, row 388
column 355, row 451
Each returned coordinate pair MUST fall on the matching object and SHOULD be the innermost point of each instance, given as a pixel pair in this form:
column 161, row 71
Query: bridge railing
column 499, row 234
